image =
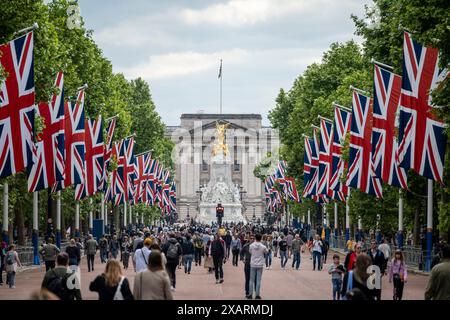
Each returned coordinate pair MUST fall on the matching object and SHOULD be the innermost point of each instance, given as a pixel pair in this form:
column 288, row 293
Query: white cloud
column 182, row 63
column 237, row 13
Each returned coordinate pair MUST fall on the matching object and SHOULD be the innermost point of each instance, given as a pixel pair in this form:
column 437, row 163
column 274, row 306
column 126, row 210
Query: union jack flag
column 74, row 143
column 292, row 190
column 17, row 108
column 108, row 150
column 311, row 165
column 387, row 86
column 151, row 185
column 143, row 163
column 173, row 197
column 360, row 172
column 422, row 140
column 49, row 165
column 93, row 159
column 113, row 177
column 325, row 159
column 126, row 170
column 341, row 127
column 165, row 191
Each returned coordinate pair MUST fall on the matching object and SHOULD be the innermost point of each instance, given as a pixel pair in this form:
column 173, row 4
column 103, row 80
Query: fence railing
column 26, row 253
column 414, row 255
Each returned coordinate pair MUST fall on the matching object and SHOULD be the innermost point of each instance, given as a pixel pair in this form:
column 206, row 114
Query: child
column 336, row 270
column 398, row 274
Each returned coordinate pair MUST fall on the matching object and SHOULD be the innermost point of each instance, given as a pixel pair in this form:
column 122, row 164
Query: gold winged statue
column 220, row 145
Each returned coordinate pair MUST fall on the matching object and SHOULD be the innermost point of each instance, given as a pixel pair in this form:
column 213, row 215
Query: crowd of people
column 158, row 253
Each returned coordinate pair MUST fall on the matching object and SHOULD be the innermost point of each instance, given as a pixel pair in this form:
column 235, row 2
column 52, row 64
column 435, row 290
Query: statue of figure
column 220, row 145
column 236, row 194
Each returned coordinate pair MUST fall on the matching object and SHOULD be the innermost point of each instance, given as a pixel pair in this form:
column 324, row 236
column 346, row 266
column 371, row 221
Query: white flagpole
column 335, row 223
column 400, row 219
column 102, row 210
column 77, row 219
column 58, row 219
column 347, row 218
column 125, row 214
column 429, row 226
column 91, row 221
column 35, row 235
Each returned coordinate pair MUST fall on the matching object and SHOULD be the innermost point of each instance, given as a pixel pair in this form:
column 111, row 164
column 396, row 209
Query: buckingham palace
column 247, row 142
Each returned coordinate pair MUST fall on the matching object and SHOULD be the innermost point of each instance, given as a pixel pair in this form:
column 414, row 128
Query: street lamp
column 254, row 215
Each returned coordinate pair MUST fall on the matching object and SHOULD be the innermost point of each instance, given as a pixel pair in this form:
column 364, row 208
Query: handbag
column 118, row 295
column 208, row 262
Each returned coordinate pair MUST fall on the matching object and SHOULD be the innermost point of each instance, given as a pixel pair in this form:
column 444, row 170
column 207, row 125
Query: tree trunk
column 19, row 223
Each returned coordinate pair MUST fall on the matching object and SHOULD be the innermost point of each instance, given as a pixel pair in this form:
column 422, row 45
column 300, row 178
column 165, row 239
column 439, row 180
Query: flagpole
column 335, row 223
column 77, row 219
column 58, row 219
column 220, row 86
column 125, row 214
column 400, row 220
column 102, row 211
column 24, row 30
column 35, row 235
column 5, row 212
column 429, row 226
column 91, row 222
column 347, row 219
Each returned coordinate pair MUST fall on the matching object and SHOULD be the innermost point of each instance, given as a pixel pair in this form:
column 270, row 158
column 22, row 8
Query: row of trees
column 73, row 51
column 346, row 64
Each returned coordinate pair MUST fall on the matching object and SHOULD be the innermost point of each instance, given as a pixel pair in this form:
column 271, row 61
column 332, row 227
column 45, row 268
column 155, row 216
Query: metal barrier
column 26, row 253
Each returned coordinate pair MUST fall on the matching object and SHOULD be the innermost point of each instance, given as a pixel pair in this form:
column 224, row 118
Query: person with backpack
column 103, row 244
column 236, row 247
column 198, row 249
column 61, row 281
column 173, row 251
column 91, row 250
column 112, row 284
column 153, row 283
column 217, row 250
column 141, row 256
column 12, row 262
column 188, row 253
column 49, row 253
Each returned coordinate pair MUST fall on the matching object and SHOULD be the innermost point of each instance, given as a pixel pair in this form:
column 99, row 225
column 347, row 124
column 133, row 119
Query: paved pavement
column 277, row 284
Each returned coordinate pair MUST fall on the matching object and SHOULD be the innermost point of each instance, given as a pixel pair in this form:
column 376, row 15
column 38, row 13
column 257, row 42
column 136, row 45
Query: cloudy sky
column 177, row 45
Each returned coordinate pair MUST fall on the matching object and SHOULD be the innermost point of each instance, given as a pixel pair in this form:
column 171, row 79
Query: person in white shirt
column 141, row 256
column 317, row 252
column 257, row 251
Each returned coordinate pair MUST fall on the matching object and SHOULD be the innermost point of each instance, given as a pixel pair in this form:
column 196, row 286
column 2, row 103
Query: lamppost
column 254, row 215
column 241, row 192
column 187, row 217
column 200, row 193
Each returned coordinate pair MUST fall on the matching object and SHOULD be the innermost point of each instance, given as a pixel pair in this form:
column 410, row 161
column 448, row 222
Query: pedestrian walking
column 289, row 239
column 336, row 269
column 198, row 249
column 378, row 260
column 267, row 242
column 49, row 253
column 173, row 251
column 325, row 248
column 398, row 274
column 317, row 252
column 74, row 253
column 297, row 244
column 12, row 263
column 91, row 250
column 236, row 247
column 257, row 252
column 438, row 287
column 141, row 256
column 112, row 284
column 2, row 260
column 227, row 238
column 246, row 258
column 188, row 253
column 57, row 280
column 114, row 247
column 103, row 245
column 356, row 280
column 282, row 244
column 218, row 253
column 126, row 248
column 153, row 283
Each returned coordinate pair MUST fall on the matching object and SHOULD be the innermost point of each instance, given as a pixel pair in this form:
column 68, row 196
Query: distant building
column 248, row 143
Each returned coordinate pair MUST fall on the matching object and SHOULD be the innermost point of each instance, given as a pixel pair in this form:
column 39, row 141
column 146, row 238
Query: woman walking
column 154, row 283
column 269, row 245
column 398, row 273
column 112, row 285
column 236, row 247
column 12, row 262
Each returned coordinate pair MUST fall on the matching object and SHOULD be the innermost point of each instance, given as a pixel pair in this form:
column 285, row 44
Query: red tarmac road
column 277, row 284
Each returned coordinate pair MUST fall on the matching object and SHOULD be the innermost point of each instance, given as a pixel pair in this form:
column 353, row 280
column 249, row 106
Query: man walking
column 91, row 250
column 218, row 252
column 103, row 244
column 246, row 257
column 257, row 251
column 172, row 250
column 296, row 250
column 438, row 287
column 282, row 244
column 49, row 252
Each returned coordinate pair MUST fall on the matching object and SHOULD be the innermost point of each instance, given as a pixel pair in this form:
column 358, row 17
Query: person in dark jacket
column 246, row 257
column 227, row 238
column 114, row 247
column 188, row 253
column 378, row 260
column 74, row 253
column 61, row 272
column 218, row 252
column 173, row 251
column 358, row 280
column 112, row 285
